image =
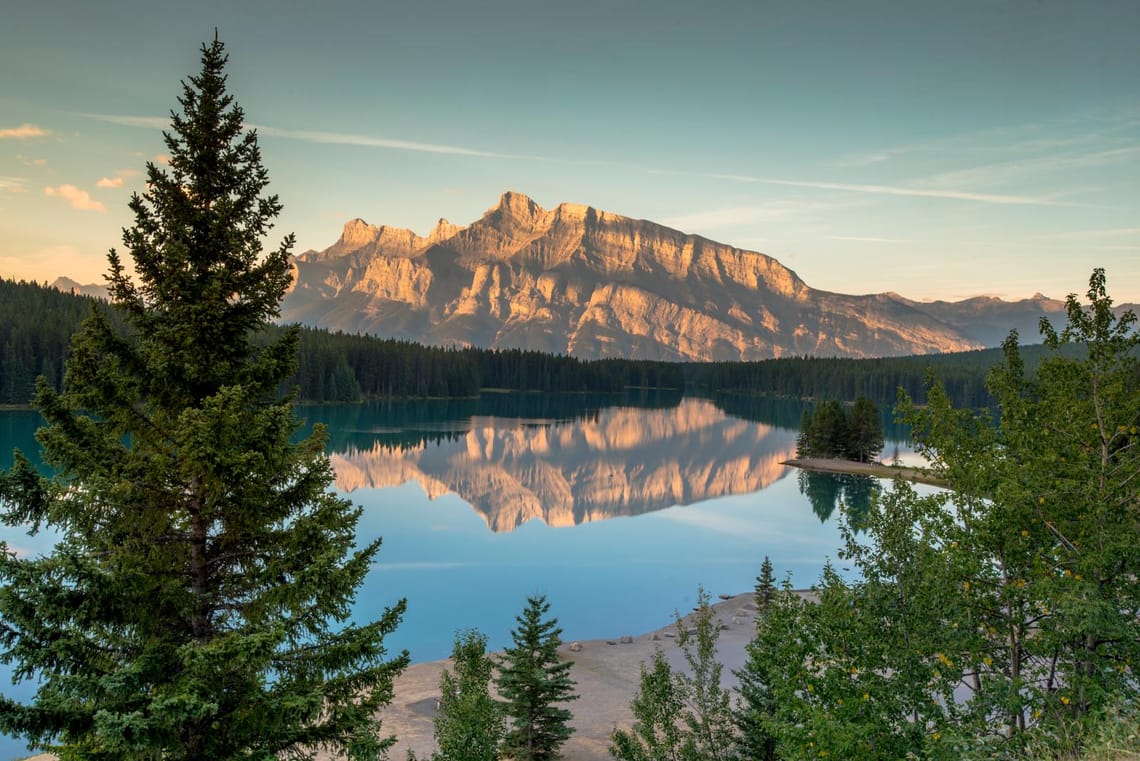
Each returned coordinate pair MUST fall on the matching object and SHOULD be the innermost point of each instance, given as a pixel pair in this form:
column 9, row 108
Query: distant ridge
column 590, row 283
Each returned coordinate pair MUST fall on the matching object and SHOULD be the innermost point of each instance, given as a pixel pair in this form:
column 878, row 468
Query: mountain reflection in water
column 616, row 461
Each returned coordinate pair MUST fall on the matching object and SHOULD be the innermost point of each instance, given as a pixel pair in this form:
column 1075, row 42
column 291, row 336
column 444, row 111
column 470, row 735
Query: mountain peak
column 519, row 205
column 442, row 231
column 582, row 281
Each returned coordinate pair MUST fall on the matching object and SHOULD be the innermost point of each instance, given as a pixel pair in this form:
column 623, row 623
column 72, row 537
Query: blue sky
column 940, row 150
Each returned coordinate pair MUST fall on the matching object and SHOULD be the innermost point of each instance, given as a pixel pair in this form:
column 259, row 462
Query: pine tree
column 765, row 586
column 195, row 604
column 533, row 681
column 864, row 431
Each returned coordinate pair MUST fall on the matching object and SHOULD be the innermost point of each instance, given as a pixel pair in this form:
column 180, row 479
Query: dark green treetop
column 533, row 682
column 195, row 605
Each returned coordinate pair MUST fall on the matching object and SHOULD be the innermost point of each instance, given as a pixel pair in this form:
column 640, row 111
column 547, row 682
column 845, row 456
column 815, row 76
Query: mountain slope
column 593, row 284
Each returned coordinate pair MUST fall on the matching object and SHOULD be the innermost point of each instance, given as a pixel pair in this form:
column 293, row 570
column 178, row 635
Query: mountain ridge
column 582, row 281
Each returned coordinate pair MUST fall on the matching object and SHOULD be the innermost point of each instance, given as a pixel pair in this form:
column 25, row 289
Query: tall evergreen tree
column 533, row 682
column 864, row 431
column 765, row 588
column 195, row 605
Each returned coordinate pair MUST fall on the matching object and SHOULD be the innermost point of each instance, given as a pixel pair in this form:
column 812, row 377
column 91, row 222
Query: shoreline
column 607, row 673
column 873, row 469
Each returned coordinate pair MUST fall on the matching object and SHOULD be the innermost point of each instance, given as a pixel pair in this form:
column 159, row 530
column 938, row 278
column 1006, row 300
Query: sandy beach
column 607, row 672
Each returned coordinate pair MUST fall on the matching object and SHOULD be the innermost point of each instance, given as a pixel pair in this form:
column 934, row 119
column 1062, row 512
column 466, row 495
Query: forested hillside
column 36, row 324
column 37, row 321
column 961, row 374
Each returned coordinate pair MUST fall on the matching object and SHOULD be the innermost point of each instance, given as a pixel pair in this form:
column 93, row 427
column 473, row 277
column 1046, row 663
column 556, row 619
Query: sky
column 940, row 150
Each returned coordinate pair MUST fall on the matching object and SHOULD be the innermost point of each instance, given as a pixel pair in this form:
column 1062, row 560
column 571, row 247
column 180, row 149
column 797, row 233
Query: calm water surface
column 616, row 508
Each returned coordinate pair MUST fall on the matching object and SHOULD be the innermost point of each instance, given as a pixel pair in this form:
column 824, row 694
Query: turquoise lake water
column 616, row 508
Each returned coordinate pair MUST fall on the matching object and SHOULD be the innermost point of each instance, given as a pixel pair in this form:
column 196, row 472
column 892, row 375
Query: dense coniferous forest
column 37, row 321
column 961, row 374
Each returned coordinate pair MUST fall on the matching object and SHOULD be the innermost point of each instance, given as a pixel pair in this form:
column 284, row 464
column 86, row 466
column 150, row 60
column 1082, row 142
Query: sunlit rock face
column 590, row 283
column 624, row 461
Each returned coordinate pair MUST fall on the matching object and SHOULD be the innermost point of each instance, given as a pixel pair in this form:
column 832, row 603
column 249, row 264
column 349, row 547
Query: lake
column 617, row 508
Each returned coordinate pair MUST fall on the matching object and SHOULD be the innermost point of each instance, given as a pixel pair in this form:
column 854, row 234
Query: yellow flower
column 937, row 735
column 988, row 661
column 1024, row 532
column 866, row 696
column 1065, row 699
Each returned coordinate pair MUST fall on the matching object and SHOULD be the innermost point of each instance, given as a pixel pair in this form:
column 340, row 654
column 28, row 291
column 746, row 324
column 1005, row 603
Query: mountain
column 67, row 285
column 623, row 461
column 585, row 282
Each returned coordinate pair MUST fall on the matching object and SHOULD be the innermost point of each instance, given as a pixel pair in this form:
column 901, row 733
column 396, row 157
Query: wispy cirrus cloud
column 12, row 184
column 23, row 132
column 745, row 215
column 327, row 137
column 872, row 239
column 77, row 197
column 1006, row 171
column 370, row 141
column 902, row 190
column 124, row 120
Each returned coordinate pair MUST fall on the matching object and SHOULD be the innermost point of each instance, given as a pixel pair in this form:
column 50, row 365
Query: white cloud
column 893, row 190
column 12, row 184
column 320, row 136
column 161, row 158
column 871, row 239
column 992, row 174
column 23, row 132
column 744, row 215
column 77, row 197
column 109, row 182
column 368, row 141
column 146, row 122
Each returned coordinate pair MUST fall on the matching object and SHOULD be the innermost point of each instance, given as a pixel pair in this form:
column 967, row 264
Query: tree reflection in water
column 826, row 491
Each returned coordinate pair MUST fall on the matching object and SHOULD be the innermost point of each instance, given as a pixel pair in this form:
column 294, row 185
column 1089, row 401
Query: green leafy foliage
column 534, row 683
column 196, row 604
column 991, row 617
column 469, row 724
column 682, row 715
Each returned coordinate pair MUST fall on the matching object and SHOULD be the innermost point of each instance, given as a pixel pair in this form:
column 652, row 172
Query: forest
column 37, row 322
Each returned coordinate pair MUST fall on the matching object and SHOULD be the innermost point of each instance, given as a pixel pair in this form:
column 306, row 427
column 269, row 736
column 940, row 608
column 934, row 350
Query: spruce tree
column 196, row 604
column 533, row 681
column 765, row 586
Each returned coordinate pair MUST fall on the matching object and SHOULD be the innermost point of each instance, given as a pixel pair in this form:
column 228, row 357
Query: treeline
column 37, row 322
column 961, row 374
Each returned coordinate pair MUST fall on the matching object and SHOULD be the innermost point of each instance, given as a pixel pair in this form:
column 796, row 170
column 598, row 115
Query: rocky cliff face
column 589, row 283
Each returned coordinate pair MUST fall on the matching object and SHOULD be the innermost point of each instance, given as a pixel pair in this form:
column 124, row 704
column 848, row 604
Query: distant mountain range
column 589, row 283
